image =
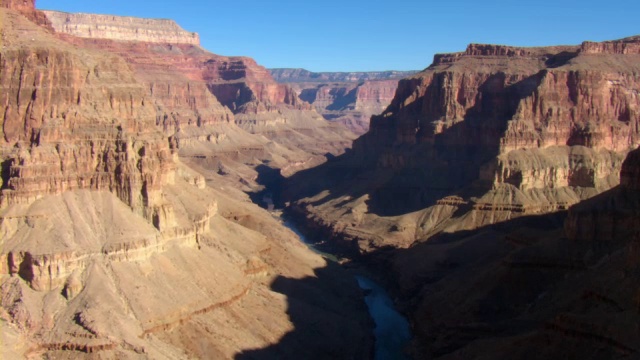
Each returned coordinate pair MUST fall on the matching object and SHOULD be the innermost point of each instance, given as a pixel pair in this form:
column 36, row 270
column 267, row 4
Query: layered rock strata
column 196, row 92
column 347, row 98
column 288, row 75
column 101, row 222
column 532, row 288
column 124, row 28
column 510, row 131
column 498, row 191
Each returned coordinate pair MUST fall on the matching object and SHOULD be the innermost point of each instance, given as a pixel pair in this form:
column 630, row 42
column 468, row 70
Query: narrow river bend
column 392, row 332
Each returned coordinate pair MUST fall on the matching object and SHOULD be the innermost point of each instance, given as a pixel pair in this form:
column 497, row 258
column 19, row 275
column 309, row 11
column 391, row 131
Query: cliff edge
column 124, row 28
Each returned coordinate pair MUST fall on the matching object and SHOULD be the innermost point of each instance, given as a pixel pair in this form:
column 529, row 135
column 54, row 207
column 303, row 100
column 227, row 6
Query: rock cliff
column 101, row 220
column 20, row 5
column 348, row 98
column 196, row 92
column 498, row 192
column 124, row 28
column 287, row 75
column 484, row 136
column 530, row 287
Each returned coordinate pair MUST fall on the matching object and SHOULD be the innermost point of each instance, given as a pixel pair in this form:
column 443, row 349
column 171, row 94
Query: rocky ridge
column 498, row 190
column 203, row 97
column 122, row 28
column 560, row 284
column 288, row 75
column 350, row 98
column 490, row 134
column 102, row 218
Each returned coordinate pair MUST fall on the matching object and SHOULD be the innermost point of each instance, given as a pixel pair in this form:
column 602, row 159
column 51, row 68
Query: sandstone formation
column 112, row 245
column 481, row 137
column 499, row 194
column 350, row 98
column 212, row 104
column 529, row 289
column 96, row 26
column 287, row 75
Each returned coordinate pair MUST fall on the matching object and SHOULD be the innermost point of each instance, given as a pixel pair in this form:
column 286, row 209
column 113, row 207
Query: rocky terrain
column 124, row 229
column 350, row 98
column 287, row 75
column 95, row 26
column 498, row 192
column 481, row 137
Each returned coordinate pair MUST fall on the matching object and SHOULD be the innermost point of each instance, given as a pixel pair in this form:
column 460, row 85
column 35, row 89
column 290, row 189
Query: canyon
column 497, row 194
column 350, row 98
column 125, row 226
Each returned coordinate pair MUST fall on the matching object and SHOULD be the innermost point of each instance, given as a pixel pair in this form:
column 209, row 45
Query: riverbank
column 392, row 331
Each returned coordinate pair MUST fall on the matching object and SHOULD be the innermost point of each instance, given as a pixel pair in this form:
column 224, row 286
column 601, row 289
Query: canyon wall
column 498, row 191
column 19, row 5
column 288, row 75
column 104, row 213
column 562, row 284
column 124, row 28
column 202, row 97
column 350, row 98
column 489, row 134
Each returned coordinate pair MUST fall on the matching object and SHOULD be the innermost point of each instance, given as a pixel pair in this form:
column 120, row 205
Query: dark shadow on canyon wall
column 329, row 316
column 519, row 289
column 272, row 181
column 402, row 178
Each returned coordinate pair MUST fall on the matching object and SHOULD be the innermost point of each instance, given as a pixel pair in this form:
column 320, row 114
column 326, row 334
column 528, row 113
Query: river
column 392, row 332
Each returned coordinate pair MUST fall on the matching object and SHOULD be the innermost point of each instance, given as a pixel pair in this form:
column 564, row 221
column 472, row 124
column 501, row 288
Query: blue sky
column 358, row 35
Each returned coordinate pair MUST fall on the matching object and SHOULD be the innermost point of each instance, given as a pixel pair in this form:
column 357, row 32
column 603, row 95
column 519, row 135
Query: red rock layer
column 19, row 4
column 52, row 108
column 482, row 103
column 350, row 103
column 511, row 131
column 98, row 232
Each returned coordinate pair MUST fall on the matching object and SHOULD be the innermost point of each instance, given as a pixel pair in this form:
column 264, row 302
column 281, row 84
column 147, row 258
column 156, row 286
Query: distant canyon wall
column 288, row 75
column 125, row 28
column 486, row 135
column 350, row 98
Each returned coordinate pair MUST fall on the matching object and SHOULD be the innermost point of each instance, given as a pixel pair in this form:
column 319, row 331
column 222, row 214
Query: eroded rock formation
column 555, row 285
column 112, row 244
column 499, row 193
column 287, row 75
column 350, row 98
column 509, row 131
column 95, row 26
column 206, row 102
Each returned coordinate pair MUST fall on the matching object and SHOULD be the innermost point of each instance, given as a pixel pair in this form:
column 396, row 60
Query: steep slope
column 288, row 75
column 498, row 193
column 529, row 289
column 350, row 98
column 112, row 245
column 96, row 26
column 215, row 104
column 481, row 137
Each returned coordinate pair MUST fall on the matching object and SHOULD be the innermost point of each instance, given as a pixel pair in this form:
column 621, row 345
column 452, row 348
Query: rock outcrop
column 348, row 98
column 112, row 246
column 510, row 131
column 20, row 5
column 499, row 193
column 196, row 92
column 125, row 28
column 527, row 288
column 288, row 75
column 209, row 103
